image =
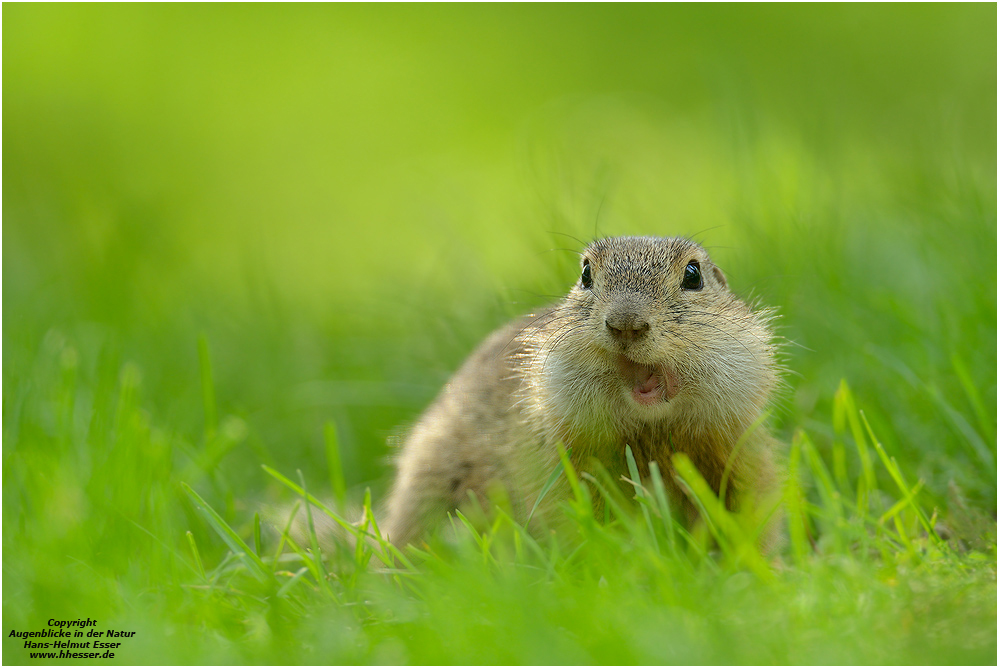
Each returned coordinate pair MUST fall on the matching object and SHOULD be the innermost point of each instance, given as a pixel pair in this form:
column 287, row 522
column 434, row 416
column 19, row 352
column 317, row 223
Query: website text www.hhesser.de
column 75, row 639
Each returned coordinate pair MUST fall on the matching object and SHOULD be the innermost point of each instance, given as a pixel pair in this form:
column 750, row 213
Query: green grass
column 248, row 243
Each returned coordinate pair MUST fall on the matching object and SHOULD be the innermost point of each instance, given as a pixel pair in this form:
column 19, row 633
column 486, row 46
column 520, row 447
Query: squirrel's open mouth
column 649, row 384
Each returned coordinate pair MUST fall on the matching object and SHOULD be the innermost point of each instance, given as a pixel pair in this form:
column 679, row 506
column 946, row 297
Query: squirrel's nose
column 626, row 326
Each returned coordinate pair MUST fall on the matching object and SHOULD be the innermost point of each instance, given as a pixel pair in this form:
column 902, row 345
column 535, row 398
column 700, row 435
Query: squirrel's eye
column 692, row 276
column 586, row 280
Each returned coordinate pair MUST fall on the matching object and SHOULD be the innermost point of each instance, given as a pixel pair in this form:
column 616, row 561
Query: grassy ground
column 233, row 231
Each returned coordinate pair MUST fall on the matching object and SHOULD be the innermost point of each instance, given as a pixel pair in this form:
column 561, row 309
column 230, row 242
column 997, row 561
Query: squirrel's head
column 650, row 332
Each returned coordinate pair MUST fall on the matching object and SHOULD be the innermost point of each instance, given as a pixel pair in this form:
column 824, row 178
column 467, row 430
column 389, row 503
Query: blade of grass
column 831, row 498
column 845, row 411
column 964, row 428
column 665, row 512
column 640, row 493
column 317, row 573
column 524, row 537
column 687, row 476
column 581, row 501
column 389, row 553
column 335, row 464
column 197, row 556
column 610, row 500
column 284, row 533
column 896, row 474
column 296, row 578
column 555, row 474
column 902, row 503
column 726, row 529
column 317, row 553
column 348, row 526
column 570, row 471
column 256, row 534
column 971, row 437
column 985, row 425
column 481, row 540
column 231, row 538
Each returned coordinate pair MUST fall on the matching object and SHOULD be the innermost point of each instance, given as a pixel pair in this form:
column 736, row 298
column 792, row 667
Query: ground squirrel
column 648, row 349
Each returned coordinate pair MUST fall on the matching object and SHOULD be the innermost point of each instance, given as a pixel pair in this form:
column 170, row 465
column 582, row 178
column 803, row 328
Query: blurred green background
column 342, row 200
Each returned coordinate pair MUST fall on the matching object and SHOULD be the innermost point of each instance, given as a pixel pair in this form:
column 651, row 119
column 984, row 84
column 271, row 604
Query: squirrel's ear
column 719, row 276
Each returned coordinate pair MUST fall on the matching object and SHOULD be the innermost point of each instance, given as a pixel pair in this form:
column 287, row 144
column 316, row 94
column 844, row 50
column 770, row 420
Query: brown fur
column 561, row 375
